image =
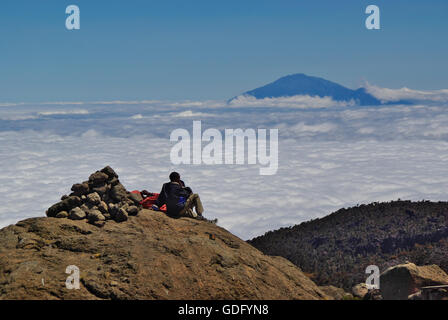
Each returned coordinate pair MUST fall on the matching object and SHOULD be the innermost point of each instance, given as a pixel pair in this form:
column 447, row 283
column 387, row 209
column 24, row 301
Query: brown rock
column 103, row 207
column 401, row 281
column 373, row 294
column 150, row 256
column 77, row 214
column 132, row 210
column 95, row 215
column 62, row 214
column 136, row 198
column 113, row 209
column 360, row 290
column 110, row 172
column 94, row 199
column 65, row 205
column 119, row 193
column 80, row 189
column 100, row 190
column 335, row 293
column 99, row 223
column 98, row 179
column 85, row 208
column 114, row 181
column 121, row 215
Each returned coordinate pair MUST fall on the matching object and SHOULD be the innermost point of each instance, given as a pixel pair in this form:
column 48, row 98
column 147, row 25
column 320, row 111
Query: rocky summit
column 145, row 256
column 150, row 256
column 98, row 200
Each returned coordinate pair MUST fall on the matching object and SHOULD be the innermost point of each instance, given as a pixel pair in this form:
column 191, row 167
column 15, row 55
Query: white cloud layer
column 390, row 95
column 328, row 157
column 300, row 102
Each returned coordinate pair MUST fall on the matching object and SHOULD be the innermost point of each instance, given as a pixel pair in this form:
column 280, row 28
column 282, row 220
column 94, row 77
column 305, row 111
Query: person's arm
column 188, row 189
column 161, row 199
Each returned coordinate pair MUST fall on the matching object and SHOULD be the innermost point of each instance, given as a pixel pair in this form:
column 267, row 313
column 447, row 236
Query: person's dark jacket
column 172, row 195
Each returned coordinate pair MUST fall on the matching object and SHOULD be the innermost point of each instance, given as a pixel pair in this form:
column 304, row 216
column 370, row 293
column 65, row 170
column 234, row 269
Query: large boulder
column 401, row 281
column 151, row 256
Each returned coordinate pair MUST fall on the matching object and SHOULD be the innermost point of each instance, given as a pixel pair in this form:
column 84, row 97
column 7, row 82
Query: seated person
column 180, row 200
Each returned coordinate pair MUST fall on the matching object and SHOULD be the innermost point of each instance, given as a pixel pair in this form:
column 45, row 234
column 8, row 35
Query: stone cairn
column 98, row 200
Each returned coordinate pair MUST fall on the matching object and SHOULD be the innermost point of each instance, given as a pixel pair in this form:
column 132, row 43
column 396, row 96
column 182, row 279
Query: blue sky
column 213, row 49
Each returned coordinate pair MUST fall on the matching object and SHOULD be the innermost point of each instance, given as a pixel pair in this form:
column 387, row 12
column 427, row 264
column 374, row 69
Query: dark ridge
column 336, row 249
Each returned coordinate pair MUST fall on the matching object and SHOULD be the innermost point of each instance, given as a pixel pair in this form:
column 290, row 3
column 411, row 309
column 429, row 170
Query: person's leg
column 198, row 204
column 187, row 211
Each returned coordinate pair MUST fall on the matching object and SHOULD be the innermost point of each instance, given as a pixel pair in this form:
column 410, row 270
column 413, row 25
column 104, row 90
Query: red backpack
column 149, row 201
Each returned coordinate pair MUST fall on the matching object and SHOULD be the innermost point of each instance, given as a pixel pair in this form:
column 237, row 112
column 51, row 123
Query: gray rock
column 77, row 214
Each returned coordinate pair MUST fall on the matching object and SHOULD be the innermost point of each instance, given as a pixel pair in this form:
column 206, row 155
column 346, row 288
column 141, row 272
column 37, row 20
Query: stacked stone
column 98, row 200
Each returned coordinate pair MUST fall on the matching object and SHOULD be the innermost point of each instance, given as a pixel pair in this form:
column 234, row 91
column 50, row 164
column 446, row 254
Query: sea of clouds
column 331, row 155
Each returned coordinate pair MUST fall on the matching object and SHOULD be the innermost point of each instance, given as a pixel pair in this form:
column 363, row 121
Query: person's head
column 174, row 177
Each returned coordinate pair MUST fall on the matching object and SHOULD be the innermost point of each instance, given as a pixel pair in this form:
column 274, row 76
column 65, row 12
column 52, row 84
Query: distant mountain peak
column 302, row 84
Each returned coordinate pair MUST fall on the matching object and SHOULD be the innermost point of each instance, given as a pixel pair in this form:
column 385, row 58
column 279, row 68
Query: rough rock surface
column 404, row 280
column 336, row 293
column 150, row 256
